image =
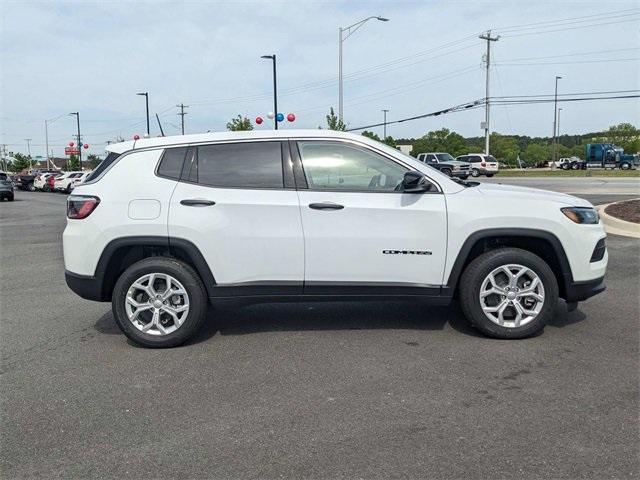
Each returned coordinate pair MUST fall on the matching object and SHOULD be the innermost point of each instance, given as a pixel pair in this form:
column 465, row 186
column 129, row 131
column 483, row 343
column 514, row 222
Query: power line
column 599, row 15
column 479, row 103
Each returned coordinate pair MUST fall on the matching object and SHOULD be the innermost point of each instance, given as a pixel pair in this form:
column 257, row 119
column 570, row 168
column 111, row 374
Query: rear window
column 241, row 165
column 111, row 157
column 171, row 163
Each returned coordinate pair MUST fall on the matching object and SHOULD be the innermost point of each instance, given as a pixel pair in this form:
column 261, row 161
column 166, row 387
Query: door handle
column 197, row 202
column 326, row 206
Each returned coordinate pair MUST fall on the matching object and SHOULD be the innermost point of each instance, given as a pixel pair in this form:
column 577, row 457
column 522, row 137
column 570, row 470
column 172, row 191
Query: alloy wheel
column 512, row 295
column 157, row 304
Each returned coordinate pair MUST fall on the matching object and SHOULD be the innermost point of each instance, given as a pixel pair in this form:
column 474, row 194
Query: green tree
column 387, row 141
column 20, row 162
column 93, row 161
column 624, row 135
column 504, row 148
column 536, row 153
column 239, row 123
column 442, row 140
column 73, row 163
column 334, row 123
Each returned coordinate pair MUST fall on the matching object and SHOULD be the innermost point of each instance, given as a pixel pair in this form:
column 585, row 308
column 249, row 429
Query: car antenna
column 159, row 125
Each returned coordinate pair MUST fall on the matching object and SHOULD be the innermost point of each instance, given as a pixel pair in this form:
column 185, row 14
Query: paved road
column 613, row 186
column 390, row 390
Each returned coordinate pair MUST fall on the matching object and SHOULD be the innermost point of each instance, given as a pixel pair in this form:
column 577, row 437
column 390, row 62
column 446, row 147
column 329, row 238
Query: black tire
column 565, row 166
column 446, row 171
column 31, row 187
column 574, row 166
column 625, row 166
column 475, row 172
column 489, row 175
column 11, row 198
column 474, row 275
column 198, row 301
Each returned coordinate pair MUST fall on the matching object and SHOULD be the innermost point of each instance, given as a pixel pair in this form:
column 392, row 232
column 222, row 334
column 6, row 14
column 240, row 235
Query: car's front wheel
column 508, row 293
column 446, row 171
column 159, row 302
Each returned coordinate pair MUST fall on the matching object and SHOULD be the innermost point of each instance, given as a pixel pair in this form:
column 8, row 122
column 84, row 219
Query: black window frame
column 191, row 159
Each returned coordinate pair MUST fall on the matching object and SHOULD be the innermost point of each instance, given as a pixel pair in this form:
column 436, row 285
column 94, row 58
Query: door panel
column 376, row 237
column 245, row 223
column 370, row 237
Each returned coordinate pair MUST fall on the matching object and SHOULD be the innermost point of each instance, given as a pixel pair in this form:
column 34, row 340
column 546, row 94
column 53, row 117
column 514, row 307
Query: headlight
column 583, row 215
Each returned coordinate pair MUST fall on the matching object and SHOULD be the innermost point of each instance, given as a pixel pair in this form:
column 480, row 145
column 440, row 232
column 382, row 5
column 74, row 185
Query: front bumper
column 460, row 174
column 579, row 291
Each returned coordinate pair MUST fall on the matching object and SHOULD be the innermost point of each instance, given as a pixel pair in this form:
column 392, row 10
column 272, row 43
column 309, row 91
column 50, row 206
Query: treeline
column 507, row 148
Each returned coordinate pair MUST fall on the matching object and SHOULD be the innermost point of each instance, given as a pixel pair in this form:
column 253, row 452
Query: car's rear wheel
column 159, row 302
column 508, row 293
column 475, row 172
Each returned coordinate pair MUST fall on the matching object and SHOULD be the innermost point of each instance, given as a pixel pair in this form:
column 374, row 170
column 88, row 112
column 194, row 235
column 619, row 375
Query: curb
column 615, row 225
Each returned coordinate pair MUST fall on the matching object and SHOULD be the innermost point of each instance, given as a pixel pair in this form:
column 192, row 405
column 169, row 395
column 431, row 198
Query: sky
column 93, row 57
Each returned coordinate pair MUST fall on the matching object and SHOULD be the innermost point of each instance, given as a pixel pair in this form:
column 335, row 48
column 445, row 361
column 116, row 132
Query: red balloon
column 86, row 145
column 259, row 120
column 291, row 117
column 71, row 144
column 136, row 137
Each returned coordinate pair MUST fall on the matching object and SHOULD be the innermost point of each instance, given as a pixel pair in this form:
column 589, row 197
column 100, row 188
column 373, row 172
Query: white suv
column 164, row 226
column 481, row 164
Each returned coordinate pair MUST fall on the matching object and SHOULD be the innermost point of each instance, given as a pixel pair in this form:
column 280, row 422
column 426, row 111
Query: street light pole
column 77, row 114
column 275, row 89
column 146, row 99
column 384, row 134
column 559, row 110
column 350, row 30
column 555, row 123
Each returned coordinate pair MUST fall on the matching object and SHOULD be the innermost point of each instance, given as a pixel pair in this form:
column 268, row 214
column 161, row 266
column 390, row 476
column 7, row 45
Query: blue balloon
column 280, row 117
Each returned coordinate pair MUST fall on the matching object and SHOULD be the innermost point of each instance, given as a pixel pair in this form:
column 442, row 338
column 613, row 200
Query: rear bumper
column 88, row 287
column 579, row 291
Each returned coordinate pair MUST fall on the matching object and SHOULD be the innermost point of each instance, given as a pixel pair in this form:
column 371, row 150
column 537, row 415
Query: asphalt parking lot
column 328, row 390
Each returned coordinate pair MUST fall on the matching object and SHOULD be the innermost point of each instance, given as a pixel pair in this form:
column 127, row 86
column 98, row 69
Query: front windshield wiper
column 464, row 183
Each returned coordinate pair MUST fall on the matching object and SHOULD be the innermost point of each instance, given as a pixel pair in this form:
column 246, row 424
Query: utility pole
column 46, row 143
column 559, row 110
column 384, row 134
column 77, row 114
column 555, row 125
column 182, row 114
column 28, row 140
column 489, row 39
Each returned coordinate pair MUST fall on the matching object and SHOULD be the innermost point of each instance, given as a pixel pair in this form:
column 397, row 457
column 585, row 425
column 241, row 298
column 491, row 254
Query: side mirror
column 415, row 182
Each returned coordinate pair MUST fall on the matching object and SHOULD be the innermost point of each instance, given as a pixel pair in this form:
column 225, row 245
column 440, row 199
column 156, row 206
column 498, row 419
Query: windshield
column 444, row 157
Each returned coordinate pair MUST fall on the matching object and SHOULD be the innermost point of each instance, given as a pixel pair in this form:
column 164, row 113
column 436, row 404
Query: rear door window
column 240, row 165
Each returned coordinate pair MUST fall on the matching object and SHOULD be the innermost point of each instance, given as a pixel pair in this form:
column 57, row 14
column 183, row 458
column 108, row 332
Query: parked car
column 446, row 164
column 26, row 181
column 64, row 182
column 78, row 180
column 6, row 189
column 165, row 226
column 481, row 164
column 40, row 182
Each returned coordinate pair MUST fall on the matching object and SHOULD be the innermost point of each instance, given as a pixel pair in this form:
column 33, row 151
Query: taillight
column 483, row 164
column 81, row 206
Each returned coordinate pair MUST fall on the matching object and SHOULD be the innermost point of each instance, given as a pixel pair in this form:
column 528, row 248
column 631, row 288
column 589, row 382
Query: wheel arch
column 120, row 253
column 542, row 243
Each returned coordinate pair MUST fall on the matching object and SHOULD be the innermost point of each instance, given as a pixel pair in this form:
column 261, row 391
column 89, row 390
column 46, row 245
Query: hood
column 511, row 192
